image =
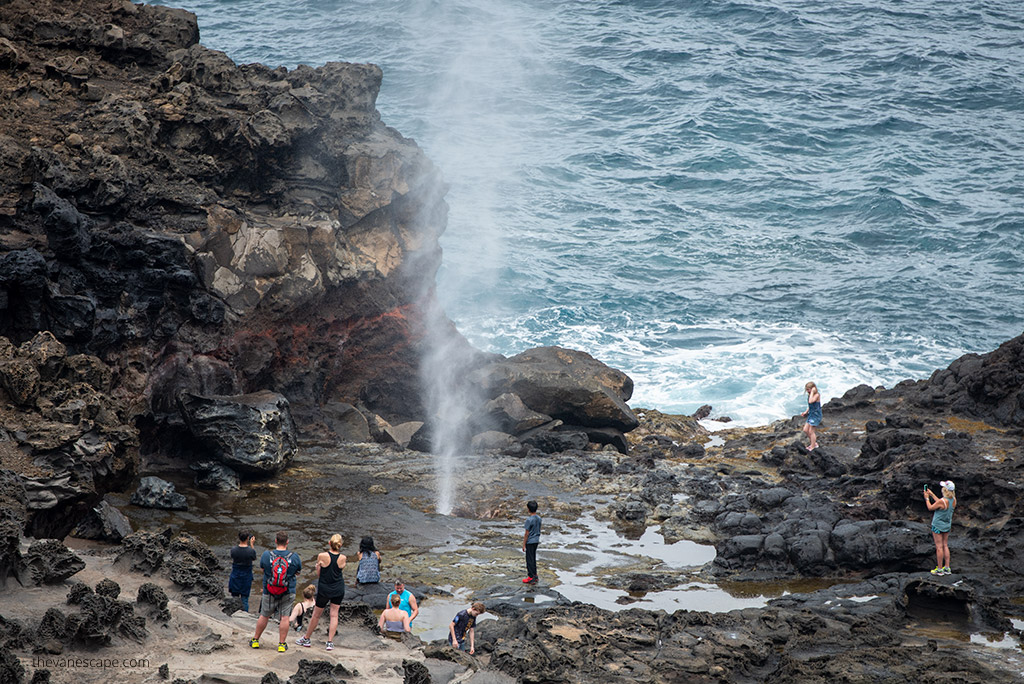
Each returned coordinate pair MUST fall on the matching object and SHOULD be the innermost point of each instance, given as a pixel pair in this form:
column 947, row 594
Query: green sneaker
column 254, row 643
column 947, row 571
column 937, row 570
column 282, row 647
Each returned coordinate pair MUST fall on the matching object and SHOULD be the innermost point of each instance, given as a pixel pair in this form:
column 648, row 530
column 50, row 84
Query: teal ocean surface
column 724, row 199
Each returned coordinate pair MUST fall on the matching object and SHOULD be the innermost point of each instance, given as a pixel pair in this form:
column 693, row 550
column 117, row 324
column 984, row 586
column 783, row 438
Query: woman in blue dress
column 813, row 414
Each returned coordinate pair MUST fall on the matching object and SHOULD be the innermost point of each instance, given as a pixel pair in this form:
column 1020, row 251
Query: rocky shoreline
column 219, row 279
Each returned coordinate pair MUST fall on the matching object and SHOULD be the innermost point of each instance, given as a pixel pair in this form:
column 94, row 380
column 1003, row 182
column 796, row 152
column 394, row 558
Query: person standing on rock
column 280, row 567
column 406, row 600
column 242, row 557
column 330, row 589
column 463, row 622
column 813, row 414
column 368, row 570
column 531, row 540
column 942, row 522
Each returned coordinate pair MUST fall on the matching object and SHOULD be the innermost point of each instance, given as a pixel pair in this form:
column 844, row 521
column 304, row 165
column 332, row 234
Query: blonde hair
column 808, row 386
column 335, row 542
column 309, row 592
column 395, row 600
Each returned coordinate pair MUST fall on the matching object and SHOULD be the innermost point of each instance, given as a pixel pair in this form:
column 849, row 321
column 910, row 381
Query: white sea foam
column 753, row 372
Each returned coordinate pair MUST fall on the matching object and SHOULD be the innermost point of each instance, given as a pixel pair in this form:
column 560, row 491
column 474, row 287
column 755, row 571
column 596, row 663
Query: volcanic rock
column 48, row 561
column 156, row 493
column 103, row 523
column 251, row 433
column 565, row 384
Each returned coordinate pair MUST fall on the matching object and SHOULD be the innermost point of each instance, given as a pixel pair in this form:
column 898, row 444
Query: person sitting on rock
column 242, row 557
column 368, row 571
column 304, row 608
column 393, row 620
column 942, row 522
column 464, row 621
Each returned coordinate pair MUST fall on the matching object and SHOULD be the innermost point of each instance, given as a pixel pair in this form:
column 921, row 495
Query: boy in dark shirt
column 531, row 539
column 464, row 621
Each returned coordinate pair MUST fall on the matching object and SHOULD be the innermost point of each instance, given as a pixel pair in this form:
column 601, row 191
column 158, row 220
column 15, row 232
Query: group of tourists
column 281, row 568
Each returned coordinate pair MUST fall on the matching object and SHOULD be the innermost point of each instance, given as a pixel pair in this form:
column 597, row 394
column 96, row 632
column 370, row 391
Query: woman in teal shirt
column 942, row 521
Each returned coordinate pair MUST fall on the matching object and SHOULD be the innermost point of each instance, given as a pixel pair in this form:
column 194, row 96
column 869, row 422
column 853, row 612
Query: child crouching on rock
column 463, row 622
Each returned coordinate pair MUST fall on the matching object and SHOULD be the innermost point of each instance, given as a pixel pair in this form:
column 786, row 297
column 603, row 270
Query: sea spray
column 450, row 399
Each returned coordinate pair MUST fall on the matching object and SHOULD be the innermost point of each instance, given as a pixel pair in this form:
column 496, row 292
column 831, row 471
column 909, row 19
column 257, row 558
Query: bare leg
column 945, row 549
column 938, row 549
column 317, row 612
column 334, row 622
column 261, row 624
column 813, row 434
column 282, row 630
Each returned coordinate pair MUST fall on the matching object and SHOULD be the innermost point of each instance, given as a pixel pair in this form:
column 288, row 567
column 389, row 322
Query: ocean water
column 724, row 199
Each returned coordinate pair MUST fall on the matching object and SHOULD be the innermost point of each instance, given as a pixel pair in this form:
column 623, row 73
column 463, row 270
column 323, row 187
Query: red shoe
column 529, row 580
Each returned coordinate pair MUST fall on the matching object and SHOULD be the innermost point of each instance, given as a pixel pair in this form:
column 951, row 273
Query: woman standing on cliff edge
column 813, row 414
column 942, row 522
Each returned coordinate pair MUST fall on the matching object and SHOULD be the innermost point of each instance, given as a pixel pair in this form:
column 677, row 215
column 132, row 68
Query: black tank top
column 331, row 580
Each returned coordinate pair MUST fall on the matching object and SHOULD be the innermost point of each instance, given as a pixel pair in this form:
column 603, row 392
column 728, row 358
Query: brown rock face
column 203, row 226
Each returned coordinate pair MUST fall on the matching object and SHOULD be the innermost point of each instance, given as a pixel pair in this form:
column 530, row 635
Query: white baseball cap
column 948, row 484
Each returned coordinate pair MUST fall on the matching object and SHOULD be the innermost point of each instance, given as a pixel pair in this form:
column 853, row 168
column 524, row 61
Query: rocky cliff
column 203, row 226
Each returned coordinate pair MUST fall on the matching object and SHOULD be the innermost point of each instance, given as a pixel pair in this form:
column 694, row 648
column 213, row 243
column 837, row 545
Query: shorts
column 938, row 531
column 323, row 599
column 276, row 607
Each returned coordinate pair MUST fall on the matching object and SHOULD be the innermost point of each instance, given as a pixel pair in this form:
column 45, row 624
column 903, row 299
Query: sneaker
column 533, row 580
column 303, row 641
column 254, row 643
column 947, row 571
column 527, row 580
column 330, row 645
column 937, row 571
column 282, row 647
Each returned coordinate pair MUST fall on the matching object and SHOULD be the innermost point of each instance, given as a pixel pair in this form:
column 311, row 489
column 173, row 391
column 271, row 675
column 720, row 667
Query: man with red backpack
column 280, row 567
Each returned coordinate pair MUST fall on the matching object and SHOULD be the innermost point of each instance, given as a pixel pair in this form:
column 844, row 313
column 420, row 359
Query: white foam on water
column 751, row 371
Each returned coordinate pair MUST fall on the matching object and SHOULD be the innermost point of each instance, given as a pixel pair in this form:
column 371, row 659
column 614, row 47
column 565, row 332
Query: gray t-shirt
column 532, row 525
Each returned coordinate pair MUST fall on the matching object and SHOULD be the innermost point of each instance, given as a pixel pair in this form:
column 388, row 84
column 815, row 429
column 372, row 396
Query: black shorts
column 323, row 599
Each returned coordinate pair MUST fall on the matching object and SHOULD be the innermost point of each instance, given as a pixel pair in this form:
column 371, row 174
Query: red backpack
column 278, row 582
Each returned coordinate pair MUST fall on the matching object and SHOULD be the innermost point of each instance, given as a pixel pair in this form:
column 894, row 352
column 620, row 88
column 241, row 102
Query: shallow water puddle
column 606, row 548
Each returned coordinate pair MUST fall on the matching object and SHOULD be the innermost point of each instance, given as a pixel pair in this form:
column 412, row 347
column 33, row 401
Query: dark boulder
column 321, row 672
column 881, row 545
column 156, row 493
column 100, row 619
column 192, row 566
column 508, row 413
column 108, row 587
column 143, row 552
column 48, row 561
column 12, row 519
column 103, row 523
column 251, row 433
column 553, row 442
column 216, row 476
column 565, row 384
column 151, row 601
